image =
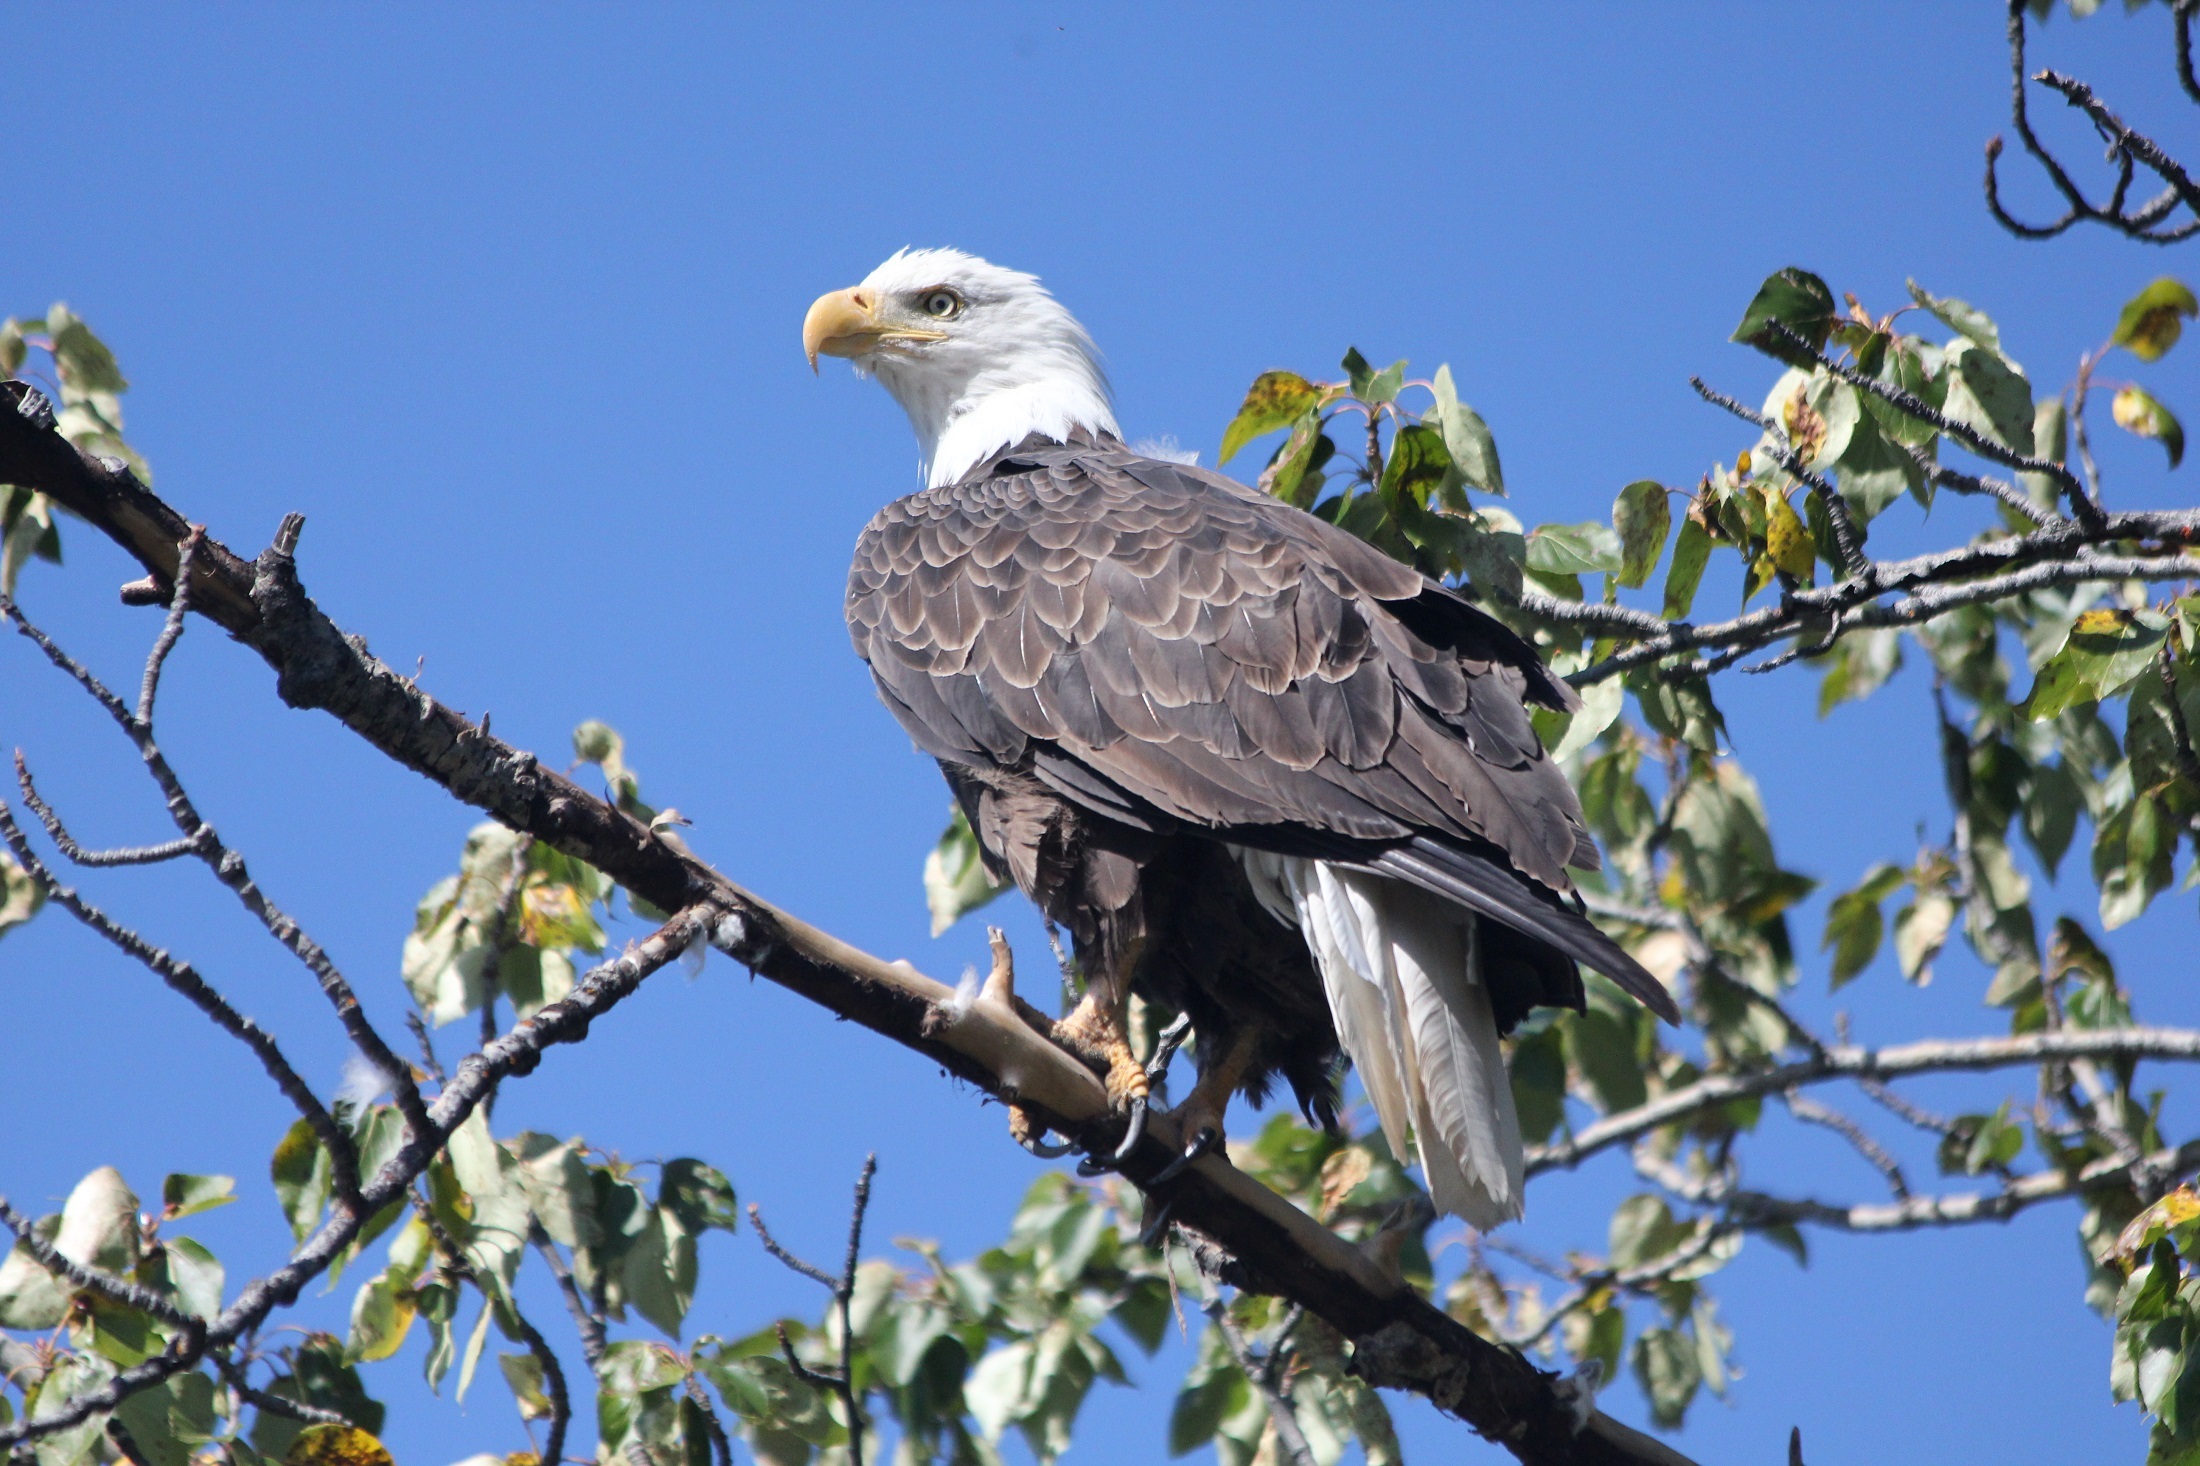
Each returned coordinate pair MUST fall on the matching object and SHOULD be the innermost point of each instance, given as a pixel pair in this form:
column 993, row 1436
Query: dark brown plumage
column 1126, row 667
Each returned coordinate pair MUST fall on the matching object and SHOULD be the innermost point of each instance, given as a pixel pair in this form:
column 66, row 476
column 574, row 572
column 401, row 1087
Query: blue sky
column 507, row 301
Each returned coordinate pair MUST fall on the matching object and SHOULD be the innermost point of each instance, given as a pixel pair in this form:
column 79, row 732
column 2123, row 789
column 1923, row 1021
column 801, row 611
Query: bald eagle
column 1261, row 772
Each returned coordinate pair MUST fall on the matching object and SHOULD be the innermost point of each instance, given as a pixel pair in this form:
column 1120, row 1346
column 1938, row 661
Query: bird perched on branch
column 1264, row 774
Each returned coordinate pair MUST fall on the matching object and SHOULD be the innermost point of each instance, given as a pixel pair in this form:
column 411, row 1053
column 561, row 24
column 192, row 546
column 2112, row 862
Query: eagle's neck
column 963, row 418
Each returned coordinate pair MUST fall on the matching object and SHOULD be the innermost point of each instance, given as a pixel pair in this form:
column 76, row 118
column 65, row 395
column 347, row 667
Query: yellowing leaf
column 2136, row 411
column 336, row 1445
column 2149, row 1227
column 1787, row 538
column 2153, row 319
column 1275, row 400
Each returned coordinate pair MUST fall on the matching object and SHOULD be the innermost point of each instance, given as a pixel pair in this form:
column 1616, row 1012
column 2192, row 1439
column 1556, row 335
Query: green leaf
column 996, row 1389
column 1570, row 549
column 699, row 1195
column 2152, row 320
column 1959, row 316
column 1418, row 466
column 1913, row 366
column 1678, row 709
column 2102, row 653
column 1275, row 400
column 1854, row 925
column 1691, row 551
column 1604, row 1047
column 183, row 1196
column 1473, row 450
column 2134, row 853
column 172, row 1419
column 2052, row 803
column 99, row 1223
column 1798, row 300
column 381, row 1315
column 2138, row 411
column 1369, row 385
column 1539, row 1081
column 523, row 1373
column 195, row 1276
column 21, row 898
column 1920, row 931
column 1667, row 1367
column 1859, row 665
column 30, row 1297
column 1642, row 516
column 956, row 881
column 1989, row 396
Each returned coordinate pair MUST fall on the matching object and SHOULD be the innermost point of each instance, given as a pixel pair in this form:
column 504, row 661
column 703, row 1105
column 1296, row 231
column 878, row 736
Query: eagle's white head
column 978, row 356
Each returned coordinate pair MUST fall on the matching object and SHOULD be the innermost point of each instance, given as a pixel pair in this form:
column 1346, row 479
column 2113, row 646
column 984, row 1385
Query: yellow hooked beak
column 846, row 323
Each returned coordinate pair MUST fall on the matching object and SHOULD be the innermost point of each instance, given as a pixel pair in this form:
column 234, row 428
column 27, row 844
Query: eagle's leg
column 1094, row 1030
column 1199, row 1118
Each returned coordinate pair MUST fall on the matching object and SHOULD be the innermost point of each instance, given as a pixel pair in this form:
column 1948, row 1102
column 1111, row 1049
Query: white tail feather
column 1403, row 975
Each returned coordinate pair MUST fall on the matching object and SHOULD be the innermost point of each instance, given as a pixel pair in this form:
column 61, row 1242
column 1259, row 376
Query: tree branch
column 2124, row 145
column 564, row 1021
column 105, row 1284
column 1846, row 1061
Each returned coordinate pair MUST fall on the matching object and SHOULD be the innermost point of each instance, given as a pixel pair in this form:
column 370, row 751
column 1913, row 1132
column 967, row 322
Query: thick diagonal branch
column 1276, row 1248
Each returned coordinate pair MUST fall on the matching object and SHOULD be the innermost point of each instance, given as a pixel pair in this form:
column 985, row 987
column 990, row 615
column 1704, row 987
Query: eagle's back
column 1162, row 645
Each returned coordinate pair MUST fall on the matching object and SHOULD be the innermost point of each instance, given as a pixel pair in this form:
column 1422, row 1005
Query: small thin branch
column 843, row 1289
column 181, row 977
column 1260, row 1372
column 1756, row 1210
column 77, row 854
column 171, row 629
column 273, row 1404
column 428, row 1060
column 1941, row 476
column 721, row 1448
column 1902, row 1109
column 115, row 1290
column 1853, row 564
column 2088, row 511
column 227, row 865
column 814, row 1273
column 1849, row 1062
column 1811, row 1112
column 588, row 1323
column 2125, row 148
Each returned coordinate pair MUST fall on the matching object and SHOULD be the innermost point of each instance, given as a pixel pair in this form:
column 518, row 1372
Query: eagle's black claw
column 1049, row 1152
column 1164, row 1049
column 1206, row 1140
column 1094, row 1165
column 1157, row 1224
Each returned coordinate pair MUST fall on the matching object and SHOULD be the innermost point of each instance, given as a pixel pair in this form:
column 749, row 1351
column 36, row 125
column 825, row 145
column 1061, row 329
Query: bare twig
column 96, row 1280
column 1850, row 1062
column 1811, row 1112
column 227, row 865
column 2125, row 147
column 274, row 1404
column 1262, row 1373
column 588, row 1323
column 183, row 978
column 843, row 1289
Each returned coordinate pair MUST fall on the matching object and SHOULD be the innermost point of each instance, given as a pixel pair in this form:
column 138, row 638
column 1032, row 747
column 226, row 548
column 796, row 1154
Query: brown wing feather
column 1167, row 638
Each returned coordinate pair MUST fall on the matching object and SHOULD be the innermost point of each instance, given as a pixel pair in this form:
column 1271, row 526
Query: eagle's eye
column 942, row 304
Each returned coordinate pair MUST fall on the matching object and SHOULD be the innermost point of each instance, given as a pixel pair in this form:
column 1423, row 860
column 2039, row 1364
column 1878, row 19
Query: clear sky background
column 506, row 299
